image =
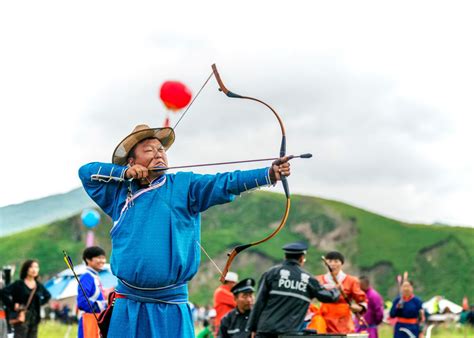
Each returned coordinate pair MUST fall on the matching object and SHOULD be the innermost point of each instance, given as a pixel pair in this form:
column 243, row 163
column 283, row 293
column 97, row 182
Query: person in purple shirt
column 374, row 314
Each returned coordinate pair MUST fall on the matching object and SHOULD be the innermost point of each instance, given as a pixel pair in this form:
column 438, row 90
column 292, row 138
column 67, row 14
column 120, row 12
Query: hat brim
column 243, row 289
column 165, row 135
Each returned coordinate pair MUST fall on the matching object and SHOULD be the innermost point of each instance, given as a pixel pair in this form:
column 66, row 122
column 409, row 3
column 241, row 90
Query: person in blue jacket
column 408, row 310
column 157, row 228
column 94, row 257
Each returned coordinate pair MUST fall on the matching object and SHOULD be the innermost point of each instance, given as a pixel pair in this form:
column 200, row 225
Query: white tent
column 444, row 306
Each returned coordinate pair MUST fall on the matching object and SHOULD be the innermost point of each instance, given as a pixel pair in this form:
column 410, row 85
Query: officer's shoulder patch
column 284, row 273
column 305, row 277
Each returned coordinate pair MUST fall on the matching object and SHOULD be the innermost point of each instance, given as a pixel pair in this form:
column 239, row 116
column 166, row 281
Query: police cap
column 245, row 285
column 295, row 248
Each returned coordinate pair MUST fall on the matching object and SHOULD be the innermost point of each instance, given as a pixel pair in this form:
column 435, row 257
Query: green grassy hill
column 19, row 217
column 439, row 258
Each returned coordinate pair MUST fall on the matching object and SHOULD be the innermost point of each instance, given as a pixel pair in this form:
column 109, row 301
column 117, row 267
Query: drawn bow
column 235, row 251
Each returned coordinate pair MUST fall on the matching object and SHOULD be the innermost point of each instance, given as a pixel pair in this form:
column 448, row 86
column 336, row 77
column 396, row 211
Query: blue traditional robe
column 90, row 281
column 409, row 312
column 155, row 242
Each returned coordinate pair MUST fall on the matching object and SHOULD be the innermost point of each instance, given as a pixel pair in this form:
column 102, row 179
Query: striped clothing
column 90, row 281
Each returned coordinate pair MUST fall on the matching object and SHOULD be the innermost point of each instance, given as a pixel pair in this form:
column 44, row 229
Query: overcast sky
column 380, row 93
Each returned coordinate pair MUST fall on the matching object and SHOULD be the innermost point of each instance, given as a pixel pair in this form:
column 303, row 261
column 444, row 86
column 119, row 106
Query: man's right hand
column 137, row 171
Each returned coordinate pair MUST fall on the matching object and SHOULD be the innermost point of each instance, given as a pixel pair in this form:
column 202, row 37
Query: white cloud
column 380, row 93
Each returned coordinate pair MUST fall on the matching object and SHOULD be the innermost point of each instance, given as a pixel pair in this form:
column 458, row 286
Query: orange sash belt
column 2, row 314
column 335, row 310
column 407, row 320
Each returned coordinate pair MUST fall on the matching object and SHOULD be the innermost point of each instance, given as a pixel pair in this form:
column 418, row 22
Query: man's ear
column 131, row 161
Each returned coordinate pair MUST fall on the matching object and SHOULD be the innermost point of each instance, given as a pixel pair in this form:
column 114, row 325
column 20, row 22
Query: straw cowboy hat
column 142, row 131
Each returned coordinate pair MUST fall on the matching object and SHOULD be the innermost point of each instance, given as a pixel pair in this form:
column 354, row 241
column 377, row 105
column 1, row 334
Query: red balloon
column 175, row 95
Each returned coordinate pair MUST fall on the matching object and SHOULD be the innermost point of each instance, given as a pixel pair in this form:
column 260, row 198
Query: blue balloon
column 90, row 218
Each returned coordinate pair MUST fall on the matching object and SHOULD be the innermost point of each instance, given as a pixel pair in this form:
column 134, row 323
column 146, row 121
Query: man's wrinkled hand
column 137, row 171
column 279, row 168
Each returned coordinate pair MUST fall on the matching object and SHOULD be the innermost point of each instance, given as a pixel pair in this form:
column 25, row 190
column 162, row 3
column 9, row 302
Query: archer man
column 157, row 227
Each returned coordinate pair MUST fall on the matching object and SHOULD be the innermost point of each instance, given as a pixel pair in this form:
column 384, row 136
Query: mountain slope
column 439, row 259
column 19, row 217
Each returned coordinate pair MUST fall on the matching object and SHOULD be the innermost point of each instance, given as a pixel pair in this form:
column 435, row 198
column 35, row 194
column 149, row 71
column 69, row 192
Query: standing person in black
column 284, row 294
column 17, row 294
column 233, row 324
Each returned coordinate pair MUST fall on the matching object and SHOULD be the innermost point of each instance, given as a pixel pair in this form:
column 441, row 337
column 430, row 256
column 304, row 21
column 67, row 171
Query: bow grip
column 284, row 181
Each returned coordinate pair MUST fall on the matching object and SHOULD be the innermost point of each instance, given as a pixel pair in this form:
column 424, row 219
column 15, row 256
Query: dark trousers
column 25, row 330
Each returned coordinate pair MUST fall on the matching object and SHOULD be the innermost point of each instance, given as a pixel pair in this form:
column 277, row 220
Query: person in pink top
column 374, row 314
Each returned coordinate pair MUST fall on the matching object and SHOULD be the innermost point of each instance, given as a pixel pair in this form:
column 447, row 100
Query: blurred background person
column 284, row 294
column 25, row 297
column 3, row 314
column 407, row 309
column 374, row 314
column 209, row 325
column 94, row 257
column 233, row 323
column 338, row 315
column 224, row 300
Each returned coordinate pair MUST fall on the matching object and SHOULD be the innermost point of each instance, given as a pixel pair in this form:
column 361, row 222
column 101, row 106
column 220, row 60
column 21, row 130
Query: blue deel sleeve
column 103, row 193
column 208, row 190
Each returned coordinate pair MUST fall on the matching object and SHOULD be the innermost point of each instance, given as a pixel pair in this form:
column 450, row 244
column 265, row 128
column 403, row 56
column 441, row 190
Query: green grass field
column 49, row 329
column 53, row 329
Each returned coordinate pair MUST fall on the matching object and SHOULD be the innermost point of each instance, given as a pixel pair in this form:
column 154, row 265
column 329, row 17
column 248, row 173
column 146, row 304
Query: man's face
column 96, row 263
column 149, row 153
column 364, row 285
column 244, row 301
column 335, row 265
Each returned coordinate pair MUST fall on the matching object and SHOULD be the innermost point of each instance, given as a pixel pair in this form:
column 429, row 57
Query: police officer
column 233, row 324
column 285, row 292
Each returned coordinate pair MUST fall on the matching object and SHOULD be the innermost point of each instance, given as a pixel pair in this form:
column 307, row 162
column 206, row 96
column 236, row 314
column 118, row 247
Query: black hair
column 335, row 255
column 91, row 252
column 26, row 265
column 295, row 256
column 364, row 278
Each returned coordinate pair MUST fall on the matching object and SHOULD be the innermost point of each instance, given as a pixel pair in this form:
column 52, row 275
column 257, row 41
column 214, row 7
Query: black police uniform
column 285, row 292
column 233, row 324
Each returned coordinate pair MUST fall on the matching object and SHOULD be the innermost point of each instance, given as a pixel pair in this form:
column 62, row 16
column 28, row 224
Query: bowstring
column 210, row 259
column 179, row 120
column 195, row 97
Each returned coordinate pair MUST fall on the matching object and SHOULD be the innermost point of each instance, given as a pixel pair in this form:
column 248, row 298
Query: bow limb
column 235, row 251
column 284, row 181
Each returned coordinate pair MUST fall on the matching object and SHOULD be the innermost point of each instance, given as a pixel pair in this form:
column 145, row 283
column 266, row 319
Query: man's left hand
column 356, row 308
column 280, row 167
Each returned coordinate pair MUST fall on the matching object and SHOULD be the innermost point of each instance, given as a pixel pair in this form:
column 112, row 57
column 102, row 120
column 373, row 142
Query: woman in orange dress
column 338, row 316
